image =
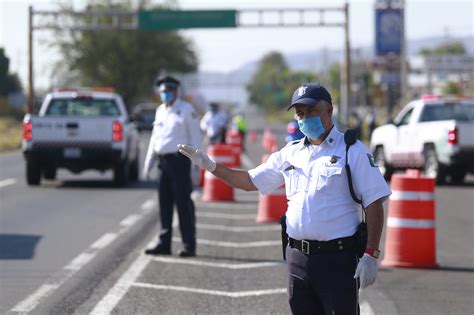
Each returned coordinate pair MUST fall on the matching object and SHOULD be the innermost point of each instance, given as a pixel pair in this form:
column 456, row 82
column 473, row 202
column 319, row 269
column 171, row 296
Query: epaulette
column 294, row 142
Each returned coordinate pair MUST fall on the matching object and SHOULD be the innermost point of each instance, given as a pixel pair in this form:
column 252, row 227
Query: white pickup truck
column 79, row 131
column 433, row 134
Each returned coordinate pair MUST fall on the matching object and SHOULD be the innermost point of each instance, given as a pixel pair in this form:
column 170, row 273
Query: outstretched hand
column 197, row 157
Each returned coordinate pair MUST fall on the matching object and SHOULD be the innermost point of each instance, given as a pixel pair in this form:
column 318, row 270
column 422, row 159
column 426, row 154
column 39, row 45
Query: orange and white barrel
column 273, row 206
column 411, row 230
column 216, row 189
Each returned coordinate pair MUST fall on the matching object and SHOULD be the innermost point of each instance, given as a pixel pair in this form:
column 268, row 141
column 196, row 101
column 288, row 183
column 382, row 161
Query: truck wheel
column 121, row 173
column 49, row 173
column 134, row 169
column 33, row 173
column 432, row 166
column 384, row 167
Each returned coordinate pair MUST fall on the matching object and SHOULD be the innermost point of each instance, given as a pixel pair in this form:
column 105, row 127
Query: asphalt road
column 74, row 246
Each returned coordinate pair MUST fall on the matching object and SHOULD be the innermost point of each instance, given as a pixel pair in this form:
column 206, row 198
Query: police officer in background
column 175, row 122
column 324, row 272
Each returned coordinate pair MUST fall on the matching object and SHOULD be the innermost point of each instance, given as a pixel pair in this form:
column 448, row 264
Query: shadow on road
column 17, row 246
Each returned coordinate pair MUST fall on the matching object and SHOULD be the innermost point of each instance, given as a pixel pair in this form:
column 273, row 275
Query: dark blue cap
column 309, row 94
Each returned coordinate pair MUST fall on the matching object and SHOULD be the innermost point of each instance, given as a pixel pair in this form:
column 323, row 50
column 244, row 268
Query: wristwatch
column 373, row 252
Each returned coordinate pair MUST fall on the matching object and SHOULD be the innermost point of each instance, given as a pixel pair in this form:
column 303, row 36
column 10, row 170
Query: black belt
column 315, row 247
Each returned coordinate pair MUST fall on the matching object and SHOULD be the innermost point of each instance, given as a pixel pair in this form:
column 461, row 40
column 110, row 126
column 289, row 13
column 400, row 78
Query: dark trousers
column 175, row 187
column 322, row 283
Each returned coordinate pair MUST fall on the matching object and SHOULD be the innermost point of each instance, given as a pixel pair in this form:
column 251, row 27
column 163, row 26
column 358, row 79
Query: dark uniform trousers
column 322, row 283
column 175, row 187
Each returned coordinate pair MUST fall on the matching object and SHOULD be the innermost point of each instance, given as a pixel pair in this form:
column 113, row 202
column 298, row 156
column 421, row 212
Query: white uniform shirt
column 320, row 206
column 173, row 125
column 212, row 123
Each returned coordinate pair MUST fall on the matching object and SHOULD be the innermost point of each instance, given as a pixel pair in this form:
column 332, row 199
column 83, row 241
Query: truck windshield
column 82, row 107
column 462, row 111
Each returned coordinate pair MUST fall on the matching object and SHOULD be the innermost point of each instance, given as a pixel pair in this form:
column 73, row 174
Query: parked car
column 434, row 134
column 144, row 115
column 80, row 130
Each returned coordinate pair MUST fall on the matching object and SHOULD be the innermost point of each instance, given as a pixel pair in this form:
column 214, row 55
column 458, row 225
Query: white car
column 80, row 130
column 434, row 134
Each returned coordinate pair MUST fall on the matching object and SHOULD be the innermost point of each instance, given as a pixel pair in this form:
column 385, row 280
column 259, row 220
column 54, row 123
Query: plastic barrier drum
column 234, row 139
column 272, row 206
column 214, row 188
column 411, row 237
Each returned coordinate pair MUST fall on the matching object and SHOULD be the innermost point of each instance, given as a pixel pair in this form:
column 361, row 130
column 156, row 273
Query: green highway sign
column 167, row 20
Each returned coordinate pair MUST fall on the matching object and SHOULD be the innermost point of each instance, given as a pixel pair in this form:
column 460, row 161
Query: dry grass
column 11, row 132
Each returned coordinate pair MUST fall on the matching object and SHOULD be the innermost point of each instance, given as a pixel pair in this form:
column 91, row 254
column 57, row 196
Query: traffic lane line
column 232, row 266
column 232, row 244
column 237, row 229
column 33, row 300
column 7, row 182
column 238, row 294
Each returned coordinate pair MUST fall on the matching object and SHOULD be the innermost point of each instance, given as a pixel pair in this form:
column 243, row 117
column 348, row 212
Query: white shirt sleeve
column 204, row 121
column 367, row 180
column 267, row 176
column 150, row 154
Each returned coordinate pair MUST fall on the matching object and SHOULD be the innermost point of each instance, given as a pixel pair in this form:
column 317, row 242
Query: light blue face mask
column 311, row 127
column 166, row 96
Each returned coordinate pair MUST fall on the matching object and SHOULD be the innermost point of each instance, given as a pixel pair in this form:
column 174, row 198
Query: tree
column 455, row 48
column 129, row 61
column 273, row 83
column 9, row 82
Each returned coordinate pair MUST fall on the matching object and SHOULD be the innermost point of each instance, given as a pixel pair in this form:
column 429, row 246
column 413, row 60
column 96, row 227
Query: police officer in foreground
column 175, row 123
column 324, row 271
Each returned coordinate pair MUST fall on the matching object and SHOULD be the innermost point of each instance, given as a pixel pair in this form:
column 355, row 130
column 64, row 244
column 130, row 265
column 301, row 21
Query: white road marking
column 233, row 244
column 74, row 266
column 104, row 241
column 80, row 261
column 365, row 308
column 238, row 229
column 34, row 299
column 130, row 220
column 7, row 182
column 234, row 266
column 149, row 204
column 116, row 293
column 219, row 215
column 211, row 292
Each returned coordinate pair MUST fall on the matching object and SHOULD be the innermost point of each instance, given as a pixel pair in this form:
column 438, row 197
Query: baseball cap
column 167, row 83
column 309, row 94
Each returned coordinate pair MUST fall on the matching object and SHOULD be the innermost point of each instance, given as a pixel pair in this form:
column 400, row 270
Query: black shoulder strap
column 350, row 137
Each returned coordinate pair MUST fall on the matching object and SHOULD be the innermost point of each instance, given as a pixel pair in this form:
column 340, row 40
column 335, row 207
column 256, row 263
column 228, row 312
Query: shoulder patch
column 372, row 160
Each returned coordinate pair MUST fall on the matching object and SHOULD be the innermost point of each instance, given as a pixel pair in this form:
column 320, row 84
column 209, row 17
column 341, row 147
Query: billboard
column 388, row 31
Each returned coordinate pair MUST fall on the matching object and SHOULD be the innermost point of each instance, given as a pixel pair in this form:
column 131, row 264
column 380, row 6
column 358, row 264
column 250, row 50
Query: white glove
column 198, row 157
column 366, row 271
column 146, row 174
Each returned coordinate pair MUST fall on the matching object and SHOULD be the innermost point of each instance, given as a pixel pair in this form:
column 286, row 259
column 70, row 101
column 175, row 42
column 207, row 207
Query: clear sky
column 227, row 49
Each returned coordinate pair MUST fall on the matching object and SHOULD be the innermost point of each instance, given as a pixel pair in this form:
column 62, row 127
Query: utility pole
column 345, row 105
column 403, row 60
column 31, row 95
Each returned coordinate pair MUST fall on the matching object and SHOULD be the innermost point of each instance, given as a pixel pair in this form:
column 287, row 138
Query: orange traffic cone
column 234, row 139
column 214, row 188
column 411, row 237
column 272, row 206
